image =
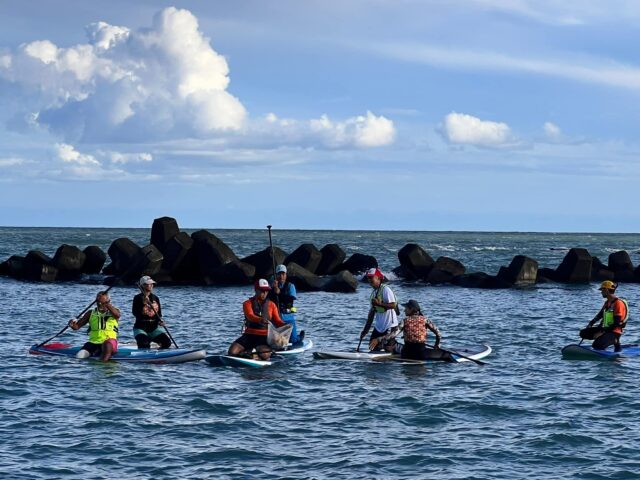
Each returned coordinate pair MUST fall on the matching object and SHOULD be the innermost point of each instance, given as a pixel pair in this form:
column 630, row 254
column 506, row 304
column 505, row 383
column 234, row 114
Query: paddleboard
column 298, row 348
column 474, row 352
column 229, row 361
column 350, row 355
column 586, row 352
column 128, row 353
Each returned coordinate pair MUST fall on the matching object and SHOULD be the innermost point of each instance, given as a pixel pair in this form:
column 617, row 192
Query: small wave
column 490, row 248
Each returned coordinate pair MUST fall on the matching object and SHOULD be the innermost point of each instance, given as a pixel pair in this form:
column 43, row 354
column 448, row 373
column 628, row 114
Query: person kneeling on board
column 258, row 312
column 103, row 329
column 147, row 310
column 613, row 318
column 283, row 293
column 415, row 327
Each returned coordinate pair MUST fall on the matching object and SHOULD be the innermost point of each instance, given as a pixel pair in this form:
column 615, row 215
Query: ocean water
column 525, row 414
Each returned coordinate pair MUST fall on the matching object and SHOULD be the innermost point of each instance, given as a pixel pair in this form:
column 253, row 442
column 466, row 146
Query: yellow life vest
column 102, row 326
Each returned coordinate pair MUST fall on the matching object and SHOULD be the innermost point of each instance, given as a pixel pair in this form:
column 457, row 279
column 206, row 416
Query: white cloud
column 68, row 154
column 11, row 162
column 157, row 83
column 117, row 157
column 552, row 131
column 362, row 131
column 586, row 70
column 462, row 129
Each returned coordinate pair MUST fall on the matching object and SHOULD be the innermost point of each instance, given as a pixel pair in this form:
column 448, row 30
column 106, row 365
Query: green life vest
column 102, row 326
column 378, row 294
column 607, row 315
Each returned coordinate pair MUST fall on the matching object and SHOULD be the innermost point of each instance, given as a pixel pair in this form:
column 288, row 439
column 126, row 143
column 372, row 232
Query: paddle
column 273, row 263
column 166, row 329
column 135, row 265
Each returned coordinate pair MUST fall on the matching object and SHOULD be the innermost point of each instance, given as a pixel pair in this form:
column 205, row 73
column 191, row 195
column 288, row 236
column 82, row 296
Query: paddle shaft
column 273, row 263
column 150, row 305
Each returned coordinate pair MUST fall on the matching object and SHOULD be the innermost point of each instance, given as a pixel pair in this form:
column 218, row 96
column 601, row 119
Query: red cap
column 374, row 272
column 262, row 284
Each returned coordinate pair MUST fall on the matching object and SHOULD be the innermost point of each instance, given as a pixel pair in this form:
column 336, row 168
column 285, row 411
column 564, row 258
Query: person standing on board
column 258, row 312
column 415, row 327
column 103, row 329
column 382, row 313
column 613, row 318
column 283, row 293
column 148, row 313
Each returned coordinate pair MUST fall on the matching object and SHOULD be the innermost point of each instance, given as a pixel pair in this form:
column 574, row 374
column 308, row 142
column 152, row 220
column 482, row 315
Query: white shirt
column 384, row 320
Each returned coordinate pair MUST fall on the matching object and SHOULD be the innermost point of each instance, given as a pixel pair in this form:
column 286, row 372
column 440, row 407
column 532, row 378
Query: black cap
column 413, row 305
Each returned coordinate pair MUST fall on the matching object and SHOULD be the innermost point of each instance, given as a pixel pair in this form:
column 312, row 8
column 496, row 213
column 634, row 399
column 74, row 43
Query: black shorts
column 250, row 341
column 93, row 348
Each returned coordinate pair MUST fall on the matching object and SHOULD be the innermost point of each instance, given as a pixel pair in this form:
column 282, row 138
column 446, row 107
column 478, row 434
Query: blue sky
column 418, row 115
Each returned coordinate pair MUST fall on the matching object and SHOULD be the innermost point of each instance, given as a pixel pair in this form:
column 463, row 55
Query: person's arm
column 77, row 324
column 432, row 326
column 115, row 312
column 248, row 313
column 598, row 316
column 275, row 315
column 619, row 313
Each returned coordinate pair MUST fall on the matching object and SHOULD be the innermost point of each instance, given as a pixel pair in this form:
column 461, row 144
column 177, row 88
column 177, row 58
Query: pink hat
column 374, row 272
column 262, row 284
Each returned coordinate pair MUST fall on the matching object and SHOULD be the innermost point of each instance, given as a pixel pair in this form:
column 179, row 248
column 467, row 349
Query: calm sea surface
column 526, row 414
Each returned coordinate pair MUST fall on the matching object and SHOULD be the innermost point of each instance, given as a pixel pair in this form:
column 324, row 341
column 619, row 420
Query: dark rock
column 521, row 271
column 416, row 260
column 307, row 256
column 403, row 272
column 599, row 271
column 622, row 267
column 303, row 279
column 162, row 277
column 232, row 273
column 620, row 261
column 149, row 262
column 359, row 263
column 38, row 266
column 124, row 254
column 69, row 260
column 342, row 282
column 575, row 267
column 444, row 270
column 175, row 251
column 94, row 259
column 480, row 280
column 211, row 253
column 163, row 230
column 332, row 257
column 546, row 275
column 263, row 263
column 14, row 266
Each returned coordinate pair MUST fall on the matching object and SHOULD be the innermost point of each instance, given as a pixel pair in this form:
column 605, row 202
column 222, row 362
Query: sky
column 473, row 115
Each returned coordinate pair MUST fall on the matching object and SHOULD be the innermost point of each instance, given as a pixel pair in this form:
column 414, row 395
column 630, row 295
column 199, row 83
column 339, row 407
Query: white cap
column 262, row 284
column 146, row 280
column 281, row 268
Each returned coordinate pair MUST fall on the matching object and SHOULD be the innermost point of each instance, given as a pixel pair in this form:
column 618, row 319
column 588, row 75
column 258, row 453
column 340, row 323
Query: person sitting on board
column 283, row 294
column 148, row 313
column 416, row 327
column 613, row 318
column 103, row 329
column 382, row 313
column 258, row 312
